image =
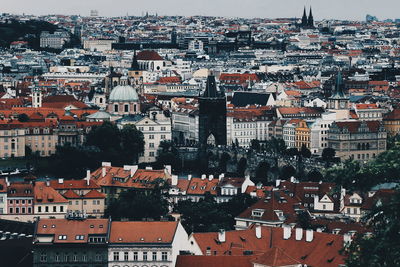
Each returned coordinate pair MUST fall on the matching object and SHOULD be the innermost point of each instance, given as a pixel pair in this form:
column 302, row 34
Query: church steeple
column 135, row 63
column 211, row 87
column 339, row 86
column 310, row 21
column 304, row 20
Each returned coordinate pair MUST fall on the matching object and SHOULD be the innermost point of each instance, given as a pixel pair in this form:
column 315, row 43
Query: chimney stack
column 258, row 231
column 299, row 234
column 103, row 171
column 287, row 232
column 203, row 177
column 309, row 235
column 174, row 180
column 104, row 165
column 168, row 169
column 210, row 177
column 221, row 177
column 149, row 168
column 87, row 177
column 221, row 236
column 189, row 177
column 277, row 182
column 47, row 182
column 60, row 180
column 347, row 238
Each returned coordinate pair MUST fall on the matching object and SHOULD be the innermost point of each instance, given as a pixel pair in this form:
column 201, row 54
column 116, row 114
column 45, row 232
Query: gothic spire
column 211, row 87
column 135, row 63
column 310, row 21
column 304, row 18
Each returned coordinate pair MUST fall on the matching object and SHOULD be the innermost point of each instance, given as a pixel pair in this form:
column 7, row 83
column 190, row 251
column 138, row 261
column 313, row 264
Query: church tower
column 135, row 75
column 310, row 20
column 36, row 98
column 304, row 20
column 111, row 80
column 339, row 102
column 212, row 115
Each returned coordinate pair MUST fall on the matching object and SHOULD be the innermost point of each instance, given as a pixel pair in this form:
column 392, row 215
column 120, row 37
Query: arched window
column 126, row 108
column 116, row 108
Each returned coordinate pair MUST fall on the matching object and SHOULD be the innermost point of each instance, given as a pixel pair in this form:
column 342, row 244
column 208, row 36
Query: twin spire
column 307, row 22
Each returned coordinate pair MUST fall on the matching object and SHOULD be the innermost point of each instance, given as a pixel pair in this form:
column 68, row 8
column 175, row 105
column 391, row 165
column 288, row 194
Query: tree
column 292, row 152
column 261, row 173
column 305, row 152
column 223, row 161
column 106, row 137
column 136, row 204
column 383, row 247
column 132, row 142
column 168, row 155
column 241, row 166
column 328, row 154
column 315, row 176
column 255, row 145
column 23, row 117
column 287, row 172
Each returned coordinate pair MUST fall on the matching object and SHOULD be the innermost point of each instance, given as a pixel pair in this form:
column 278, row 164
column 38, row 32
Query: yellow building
column 302, row 134
column 391, row 122
column 12, row 140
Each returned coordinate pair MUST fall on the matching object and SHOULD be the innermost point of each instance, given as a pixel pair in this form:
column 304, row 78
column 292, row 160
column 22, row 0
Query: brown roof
column 148, row 55
column 213, row 261
column 72, row 228
column 74, row 184
column 46, row 194
column 353, row 126
column 143, row 232
column 198, row 186
column 94, row 194
column 323, row 250
column 275, row 257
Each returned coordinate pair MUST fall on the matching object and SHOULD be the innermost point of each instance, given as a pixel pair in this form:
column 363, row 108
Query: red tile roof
column 46, row 194
column 72, row 228
column 143, row 232
column 149, row 55
column 323, row 250
column 213, row 261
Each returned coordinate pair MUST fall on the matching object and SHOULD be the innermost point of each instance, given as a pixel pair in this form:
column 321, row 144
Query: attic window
column 120, row 239
column 142, row 239
column 53, row 226
column 44, row 226
column 100, row 226
column 62, row 237
column 91, row 226
column 257, row 212
column 159, row 239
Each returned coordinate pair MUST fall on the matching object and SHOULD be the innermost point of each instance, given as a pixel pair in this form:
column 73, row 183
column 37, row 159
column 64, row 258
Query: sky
column 322, row 9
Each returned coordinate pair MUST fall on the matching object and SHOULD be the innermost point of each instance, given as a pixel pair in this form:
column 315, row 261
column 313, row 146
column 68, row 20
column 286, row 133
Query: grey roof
column 100, row 115
column 124, row 93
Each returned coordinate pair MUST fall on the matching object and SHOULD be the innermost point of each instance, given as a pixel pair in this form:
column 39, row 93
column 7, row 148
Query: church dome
column 124, row 93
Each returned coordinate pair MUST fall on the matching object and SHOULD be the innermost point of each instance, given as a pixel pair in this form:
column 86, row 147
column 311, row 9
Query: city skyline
column 352, row 10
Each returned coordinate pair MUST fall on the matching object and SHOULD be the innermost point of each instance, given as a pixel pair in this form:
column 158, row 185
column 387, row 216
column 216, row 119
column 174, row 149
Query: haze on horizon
column 322, row 9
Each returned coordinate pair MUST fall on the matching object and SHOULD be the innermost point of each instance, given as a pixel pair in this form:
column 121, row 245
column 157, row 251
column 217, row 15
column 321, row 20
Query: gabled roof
column 149, row 55
column 71, row 228
column 46, row 194
column 275, row 257
column 213, row 261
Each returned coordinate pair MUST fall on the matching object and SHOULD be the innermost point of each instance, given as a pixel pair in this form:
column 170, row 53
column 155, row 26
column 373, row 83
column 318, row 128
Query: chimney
column 189, row 177
column 309, row 235
column 210, row 177
column 221, row 176
column 347, row 238
column 7, row 182
column 168, row 169
column 149, row 168
column 319, row 230
column 133, row 170
column 103, row 171
column 87, row 176
column 174, row 180
column 277, row 182
column 60, row 180
column 299, row 233
column 258, row 231
column 47, row 182
column 106, row 164
column 287, row 232
column 221, row 235
column 203, row 177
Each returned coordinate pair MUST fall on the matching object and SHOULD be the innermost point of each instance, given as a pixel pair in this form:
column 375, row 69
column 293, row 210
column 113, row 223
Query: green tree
column 168, row 155
column 383, row 247
column 23, row 117
column 287, row 172
column 328, row 154
column 223, row 161
column 136, row 204
column 292, row 152
column 132, row 142
column 315, row 176
column 261, row 173
column 255, row 145
column 241, row 166
column 305, row 152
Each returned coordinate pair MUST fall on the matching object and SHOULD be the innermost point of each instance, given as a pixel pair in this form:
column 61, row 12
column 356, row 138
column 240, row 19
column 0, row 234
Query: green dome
column 124, row 93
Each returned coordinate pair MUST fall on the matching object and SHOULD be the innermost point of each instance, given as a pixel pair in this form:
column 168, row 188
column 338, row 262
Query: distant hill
column 24, row 31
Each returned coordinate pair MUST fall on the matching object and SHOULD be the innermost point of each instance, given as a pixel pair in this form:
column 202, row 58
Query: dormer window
column 257, row 212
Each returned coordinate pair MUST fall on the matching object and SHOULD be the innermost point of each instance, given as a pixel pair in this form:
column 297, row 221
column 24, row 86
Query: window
column 126, row 108
column 164, row 256
column 151, row 136
column 84, row 257
column 135, row 256
column 116, row 108
column 57, row 257
column 84, row 202
column 163, row 128
column 151, row 154
column 11, row 210
column 62, row 237
column 162, row 136
column 116, row 256
column 144, row 256
column 75, row 257
column 61, row 208
column 54, row 208
column 151, row 145
column 16, row 210
column 154, row 256
column 126, row 256
column 79, row 237
column 43, row 257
